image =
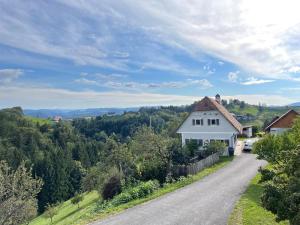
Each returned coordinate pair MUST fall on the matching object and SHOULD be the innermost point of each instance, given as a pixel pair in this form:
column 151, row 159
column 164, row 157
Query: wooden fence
column 193, row 168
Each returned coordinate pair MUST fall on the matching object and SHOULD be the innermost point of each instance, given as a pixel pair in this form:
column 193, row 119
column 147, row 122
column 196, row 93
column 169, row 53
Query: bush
column 122, row 198
column 111, row 187
column 142, row 190
column 77, row 199
column 213, row 147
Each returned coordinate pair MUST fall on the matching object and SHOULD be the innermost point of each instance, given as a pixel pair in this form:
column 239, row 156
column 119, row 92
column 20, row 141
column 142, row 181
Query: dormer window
column 198, row 122
column 213, row 122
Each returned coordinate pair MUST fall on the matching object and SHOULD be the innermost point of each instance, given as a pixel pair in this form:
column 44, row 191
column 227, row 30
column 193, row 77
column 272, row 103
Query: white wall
column 278, row 130
column 224, row 125
column 223, row 131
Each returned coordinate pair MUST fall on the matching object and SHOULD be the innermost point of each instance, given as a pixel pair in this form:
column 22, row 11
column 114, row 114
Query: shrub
column 111, row 187
column 122, row 198
column 142, row 190
column 214, row 146
column 77, row 199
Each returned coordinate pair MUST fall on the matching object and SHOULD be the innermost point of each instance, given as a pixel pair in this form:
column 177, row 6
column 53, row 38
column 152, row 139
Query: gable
column 207, row 104
column 285, row 121
column 188, row 125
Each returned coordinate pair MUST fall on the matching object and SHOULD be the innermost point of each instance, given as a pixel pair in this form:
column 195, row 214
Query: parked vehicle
column 248, row 144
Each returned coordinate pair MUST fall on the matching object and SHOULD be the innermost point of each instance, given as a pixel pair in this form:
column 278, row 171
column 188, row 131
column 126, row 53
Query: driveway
column 239, row 147
column 206, row 202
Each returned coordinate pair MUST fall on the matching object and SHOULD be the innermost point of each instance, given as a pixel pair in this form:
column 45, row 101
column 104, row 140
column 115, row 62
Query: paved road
column 206, row 202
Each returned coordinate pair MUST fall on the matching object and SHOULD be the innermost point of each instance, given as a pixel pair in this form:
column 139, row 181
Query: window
column 213, row 122
column 198, row 122
column 199, row 142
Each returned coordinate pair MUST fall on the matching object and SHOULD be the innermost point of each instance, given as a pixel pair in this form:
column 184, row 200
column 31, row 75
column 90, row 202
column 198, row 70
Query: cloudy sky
column 81, row 54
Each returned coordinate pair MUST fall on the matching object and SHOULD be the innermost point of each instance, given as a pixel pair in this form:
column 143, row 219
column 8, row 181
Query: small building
column 247, row 131
column 282, row 123
column 210, row 121
column 56, row 119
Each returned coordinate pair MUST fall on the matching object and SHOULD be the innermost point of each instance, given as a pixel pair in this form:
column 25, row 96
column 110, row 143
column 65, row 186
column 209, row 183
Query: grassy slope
column 249, row 211
column 41, row 121
column 70, row 214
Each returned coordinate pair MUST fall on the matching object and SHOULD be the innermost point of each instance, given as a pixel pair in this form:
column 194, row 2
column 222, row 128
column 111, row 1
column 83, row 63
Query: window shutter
column 217, row 121
column 208, row 121
column 201, row 122
column 193, row 122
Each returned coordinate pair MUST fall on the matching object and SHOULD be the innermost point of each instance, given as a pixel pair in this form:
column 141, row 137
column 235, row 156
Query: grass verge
column 70, row 214
column 249, row 211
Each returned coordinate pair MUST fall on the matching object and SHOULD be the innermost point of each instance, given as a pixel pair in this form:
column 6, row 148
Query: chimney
column 218, row 98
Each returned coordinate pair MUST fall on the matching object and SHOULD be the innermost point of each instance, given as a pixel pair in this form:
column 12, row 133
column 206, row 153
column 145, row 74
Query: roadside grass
column 70, row 214
column 249, row 211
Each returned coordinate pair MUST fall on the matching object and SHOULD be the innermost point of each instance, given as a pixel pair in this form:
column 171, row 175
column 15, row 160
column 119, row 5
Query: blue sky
column 83, row 54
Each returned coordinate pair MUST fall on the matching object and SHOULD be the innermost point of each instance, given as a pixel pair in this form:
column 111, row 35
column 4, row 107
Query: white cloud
column 86, row 81
column 272, row 100
column 115, row 81
column 254, row 81
column 294, row 69
column 233, row 76
column 8, row 75
column 247, row 33
column 36, row 97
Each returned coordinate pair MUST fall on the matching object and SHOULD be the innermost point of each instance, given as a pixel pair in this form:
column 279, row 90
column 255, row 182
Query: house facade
column 210, row 121
column 283, row 123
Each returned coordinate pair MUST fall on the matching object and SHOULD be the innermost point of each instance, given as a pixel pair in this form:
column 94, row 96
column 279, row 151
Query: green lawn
column 249, row 211
column 70, row 214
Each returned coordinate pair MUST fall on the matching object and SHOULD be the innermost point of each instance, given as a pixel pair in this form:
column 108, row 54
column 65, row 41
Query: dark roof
column 209, row 104
column 278, row 118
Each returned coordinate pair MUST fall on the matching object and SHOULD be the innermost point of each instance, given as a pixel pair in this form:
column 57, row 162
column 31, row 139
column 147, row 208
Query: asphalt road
column 206, row 202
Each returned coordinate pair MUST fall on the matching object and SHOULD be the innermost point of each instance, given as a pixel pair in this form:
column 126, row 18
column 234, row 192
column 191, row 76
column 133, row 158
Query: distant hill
column 76, row 113
column 295, row 104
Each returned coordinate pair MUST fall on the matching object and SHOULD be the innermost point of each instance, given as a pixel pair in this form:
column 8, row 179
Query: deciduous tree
column 18, row 191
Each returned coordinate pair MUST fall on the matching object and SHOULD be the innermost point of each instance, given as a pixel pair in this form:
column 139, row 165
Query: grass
column 70, row 214
column 41, row 121
column 249, row 211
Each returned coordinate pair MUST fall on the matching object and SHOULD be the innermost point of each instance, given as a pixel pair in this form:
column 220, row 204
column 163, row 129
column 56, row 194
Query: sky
column 124, row 53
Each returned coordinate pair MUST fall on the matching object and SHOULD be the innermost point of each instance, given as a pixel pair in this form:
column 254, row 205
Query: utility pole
column 150, row 122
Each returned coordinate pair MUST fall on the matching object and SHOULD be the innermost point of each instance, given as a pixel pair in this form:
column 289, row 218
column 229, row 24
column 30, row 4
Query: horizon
column 110, row 54
column 150, row 106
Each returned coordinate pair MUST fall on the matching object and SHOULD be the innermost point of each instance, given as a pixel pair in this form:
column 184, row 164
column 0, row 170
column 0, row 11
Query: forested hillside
column 57, row 153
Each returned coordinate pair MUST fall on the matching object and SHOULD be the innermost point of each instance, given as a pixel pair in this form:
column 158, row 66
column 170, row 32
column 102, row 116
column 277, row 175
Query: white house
column 210, row 121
